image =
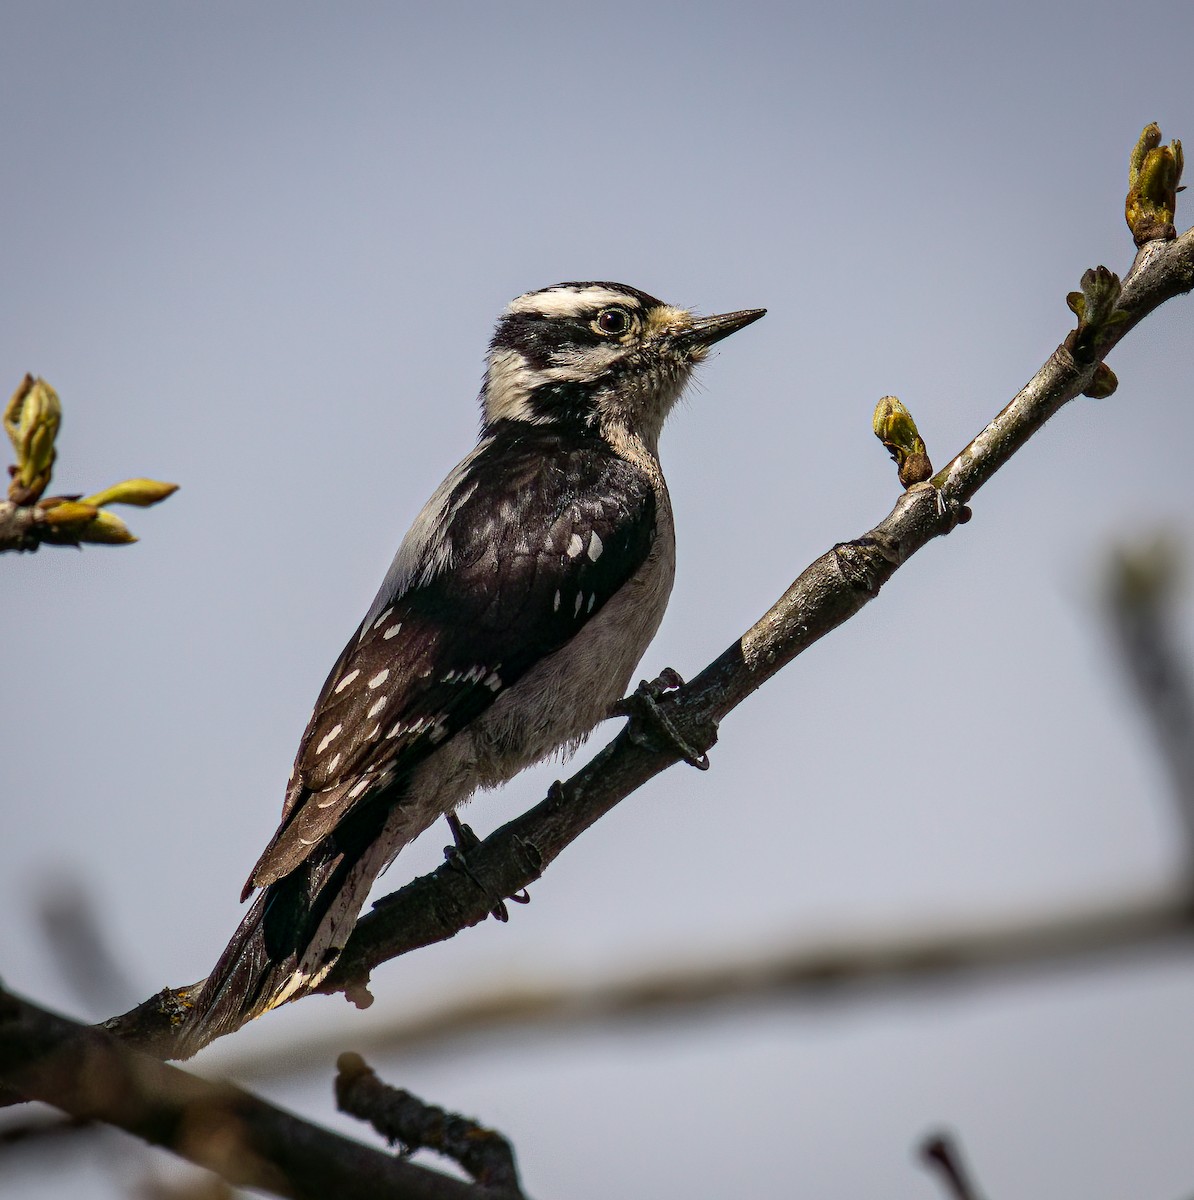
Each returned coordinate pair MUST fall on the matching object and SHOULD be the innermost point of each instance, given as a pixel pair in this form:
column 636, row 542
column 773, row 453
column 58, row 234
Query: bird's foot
column 649, row 724
column 464, row 840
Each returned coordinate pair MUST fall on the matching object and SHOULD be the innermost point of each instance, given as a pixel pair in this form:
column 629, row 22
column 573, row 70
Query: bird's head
column 598, row 354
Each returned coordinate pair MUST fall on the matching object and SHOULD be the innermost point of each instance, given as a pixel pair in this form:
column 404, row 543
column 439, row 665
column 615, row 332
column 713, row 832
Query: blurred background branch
column 941, row 1154
column 80, row 942
column 1142, row 593
column 844, row 968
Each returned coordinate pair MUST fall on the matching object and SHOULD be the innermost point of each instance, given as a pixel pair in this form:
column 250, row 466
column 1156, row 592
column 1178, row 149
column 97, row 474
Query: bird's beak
column 704, row 331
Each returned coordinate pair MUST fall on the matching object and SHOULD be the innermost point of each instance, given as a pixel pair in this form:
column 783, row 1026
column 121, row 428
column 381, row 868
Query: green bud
column 31, row 421
column 1154, row 179
column 1095, row 309
column 61, row 514
column 895, row 428
column 107, row 528
column 1100, row 294
column 141, row 492
column 81, row 521
column 1103, row 384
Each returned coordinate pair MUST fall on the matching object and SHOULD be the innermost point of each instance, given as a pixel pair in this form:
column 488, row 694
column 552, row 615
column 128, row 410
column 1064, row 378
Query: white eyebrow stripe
column 568, row 302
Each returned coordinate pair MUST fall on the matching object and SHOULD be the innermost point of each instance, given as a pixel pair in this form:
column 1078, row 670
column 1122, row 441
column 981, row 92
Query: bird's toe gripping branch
column 650, row 725
column 456, row 855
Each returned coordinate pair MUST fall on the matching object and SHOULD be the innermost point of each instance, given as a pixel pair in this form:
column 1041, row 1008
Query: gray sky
column 259, row 250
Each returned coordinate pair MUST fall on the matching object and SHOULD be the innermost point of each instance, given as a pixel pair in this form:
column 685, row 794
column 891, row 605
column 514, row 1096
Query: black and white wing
column 518, row 550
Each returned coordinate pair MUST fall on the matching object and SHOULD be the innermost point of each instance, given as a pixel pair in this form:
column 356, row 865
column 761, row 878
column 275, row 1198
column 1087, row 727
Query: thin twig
column 20, row 526
column 412, row 1123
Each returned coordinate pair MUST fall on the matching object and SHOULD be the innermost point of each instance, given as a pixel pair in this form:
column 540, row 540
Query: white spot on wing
column 359, row 787
column 556, row 606
column 346, row 680
column 575, row 546
column 379, row 704
column 595, row 548
column 393, row 629
column 493, row 681
column 329, row 738
column 379, row 678
column 333, row 761
column 579, row 600
column 382, row 619
column 592, row 601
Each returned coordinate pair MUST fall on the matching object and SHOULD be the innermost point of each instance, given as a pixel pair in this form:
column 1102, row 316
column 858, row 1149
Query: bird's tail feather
column 291, row 936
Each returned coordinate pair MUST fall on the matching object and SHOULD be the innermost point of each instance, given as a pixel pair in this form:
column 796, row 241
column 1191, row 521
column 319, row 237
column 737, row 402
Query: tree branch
column 400, row 1117
column 90, row 1075
column 20, row 526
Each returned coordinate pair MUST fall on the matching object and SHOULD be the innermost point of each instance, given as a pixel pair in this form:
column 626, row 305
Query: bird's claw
column 456, row 856
column 649, row 723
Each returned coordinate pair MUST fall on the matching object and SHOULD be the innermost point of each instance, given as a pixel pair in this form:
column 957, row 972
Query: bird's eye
column 613, row 321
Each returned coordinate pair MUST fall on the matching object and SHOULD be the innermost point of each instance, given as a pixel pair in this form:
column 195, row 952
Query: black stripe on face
column 538, row 338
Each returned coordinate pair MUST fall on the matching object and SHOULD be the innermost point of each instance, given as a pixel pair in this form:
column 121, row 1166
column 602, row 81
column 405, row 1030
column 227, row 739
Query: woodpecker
column 508, row 625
